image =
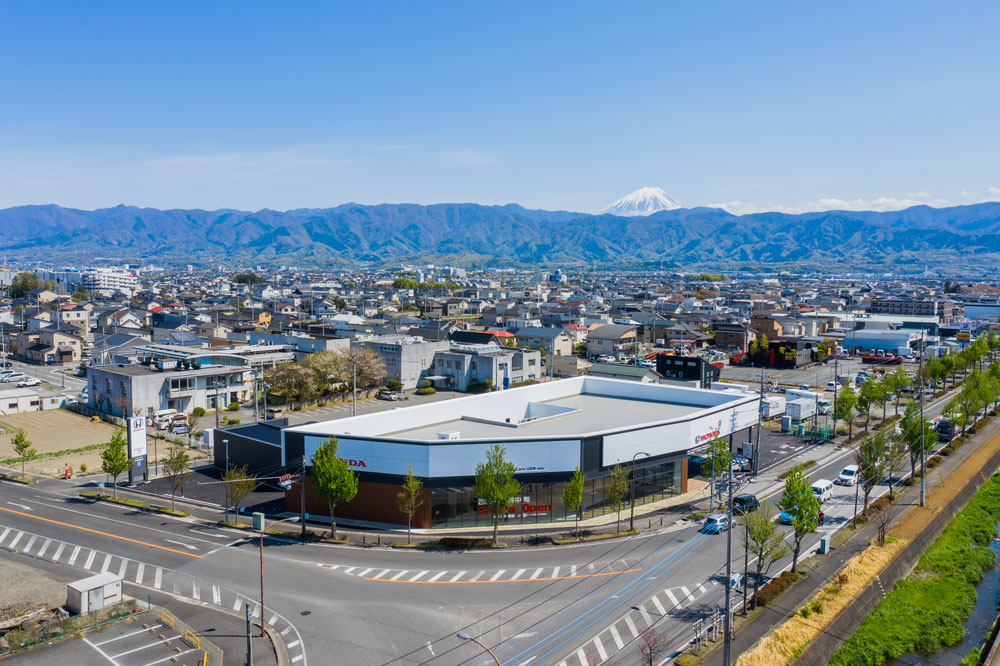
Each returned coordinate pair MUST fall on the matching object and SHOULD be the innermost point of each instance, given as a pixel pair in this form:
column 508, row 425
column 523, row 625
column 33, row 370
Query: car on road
column 716, row 523
column 785, row 518
column 741, row 464
column 848, row 476
column 84, row 396
column 14, row 377
column 831, row 386
column 386, row 394
column 745, row 503
column 30, row 381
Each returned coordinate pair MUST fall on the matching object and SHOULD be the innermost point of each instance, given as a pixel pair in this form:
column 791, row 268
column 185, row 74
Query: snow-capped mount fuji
column 644, row 201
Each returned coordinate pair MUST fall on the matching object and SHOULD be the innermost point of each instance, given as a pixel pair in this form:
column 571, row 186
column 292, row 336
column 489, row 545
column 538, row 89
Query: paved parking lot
column 143, row 641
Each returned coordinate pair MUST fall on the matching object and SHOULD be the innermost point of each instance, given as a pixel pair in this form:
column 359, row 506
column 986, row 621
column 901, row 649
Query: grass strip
column 925, row 610
column 52, row 454
column 806, row 465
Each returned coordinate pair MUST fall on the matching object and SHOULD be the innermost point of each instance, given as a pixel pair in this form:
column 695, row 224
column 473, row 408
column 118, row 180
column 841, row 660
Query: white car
column 848, row 477
column 15, row 377
column 30, row 381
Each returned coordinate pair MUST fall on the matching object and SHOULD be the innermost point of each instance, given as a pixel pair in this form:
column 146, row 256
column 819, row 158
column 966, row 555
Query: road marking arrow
column 22, row 506
column 181, row 543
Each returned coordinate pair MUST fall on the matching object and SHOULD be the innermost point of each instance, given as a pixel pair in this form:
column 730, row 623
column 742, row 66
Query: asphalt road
column 573, row 604
column 52, row 376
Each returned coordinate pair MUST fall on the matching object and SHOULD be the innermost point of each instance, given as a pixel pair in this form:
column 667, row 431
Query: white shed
column 92, row 594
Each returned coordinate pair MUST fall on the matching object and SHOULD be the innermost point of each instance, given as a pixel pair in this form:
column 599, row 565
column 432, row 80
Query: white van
column 849, row 476
column 274, row 413
column 823, row 490
column 162, row 418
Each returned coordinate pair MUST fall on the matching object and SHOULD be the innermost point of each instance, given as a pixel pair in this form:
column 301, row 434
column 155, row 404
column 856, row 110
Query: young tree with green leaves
column 845, row 409
column 870, row 459
column 240, row 483
column 573, row 497
column 718, row 458
column 765, row 541
column 495, row 486
column 176, row 467
column 896, row 382
column 409, row 499
column 895, row 455
column 803, row 507
column 22, row 447
column 114, row 457
column 333, row 478
column 615, row 488
column 867, row 396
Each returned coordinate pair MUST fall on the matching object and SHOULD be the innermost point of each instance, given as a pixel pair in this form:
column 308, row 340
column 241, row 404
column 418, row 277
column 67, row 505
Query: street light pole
column 354, row 385
column 466, row 637
column 225, row 443
column 631, row 515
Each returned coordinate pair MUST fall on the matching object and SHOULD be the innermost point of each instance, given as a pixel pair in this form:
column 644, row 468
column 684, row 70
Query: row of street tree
column 326, row 373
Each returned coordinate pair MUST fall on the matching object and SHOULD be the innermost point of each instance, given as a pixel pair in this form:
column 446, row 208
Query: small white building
column 88, row 595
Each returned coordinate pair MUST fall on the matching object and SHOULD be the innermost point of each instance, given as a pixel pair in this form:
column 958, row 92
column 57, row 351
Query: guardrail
column 166, row 620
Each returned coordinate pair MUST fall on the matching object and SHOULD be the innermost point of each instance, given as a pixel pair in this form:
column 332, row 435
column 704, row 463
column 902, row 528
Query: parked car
column 84, row 396
column 716, row 523
column 386, row 394
column 847, row 477
column 745, row 503
column 15, row 377
column 29, row 381
column 831, row 386
column 179, row 428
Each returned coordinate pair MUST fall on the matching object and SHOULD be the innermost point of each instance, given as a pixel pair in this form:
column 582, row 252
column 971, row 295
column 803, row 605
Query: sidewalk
column 828, row 565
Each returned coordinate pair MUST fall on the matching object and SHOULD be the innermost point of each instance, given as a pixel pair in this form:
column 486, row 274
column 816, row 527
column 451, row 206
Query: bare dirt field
column 23, row 590
column 60, row 430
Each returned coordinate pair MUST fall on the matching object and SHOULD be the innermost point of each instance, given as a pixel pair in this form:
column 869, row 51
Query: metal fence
column 90, row 411
column 54, row 626
column 847, row 622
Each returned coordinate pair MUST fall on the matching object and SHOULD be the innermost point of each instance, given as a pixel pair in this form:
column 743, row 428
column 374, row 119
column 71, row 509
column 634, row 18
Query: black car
column 745, row 503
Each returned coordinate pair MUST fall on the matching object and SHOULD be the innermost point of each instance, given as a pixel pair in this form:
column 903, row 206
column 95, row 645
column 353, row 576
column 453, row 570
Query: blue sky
column 758, row 106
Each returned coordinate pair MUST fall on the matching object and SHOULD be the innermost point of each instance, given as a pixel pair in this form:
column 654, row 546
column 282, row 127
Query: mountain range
column 477, row 235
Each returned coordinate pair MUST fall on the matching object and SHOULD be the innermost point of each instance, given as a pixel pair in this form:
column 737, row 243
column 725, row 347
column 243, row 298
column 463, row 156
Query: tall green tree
column 333, row 478
column 765, row 541
column 870, row 459
column 495, row 486
column 845, row 409
column 867, row 397
column 910, row 428
column 409, row 499
column 114, row 457
column 802, row 506
column 896, row 382
column 240, row 483
column 22, row 447
column 23, row 283
column 176, row 467
column 615, row 488
column 573, row 497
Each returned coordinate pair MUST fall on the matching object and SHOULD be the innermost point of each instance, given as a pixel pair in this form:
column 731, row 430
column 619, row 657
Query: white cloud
column 880, row 204
column 993, row 191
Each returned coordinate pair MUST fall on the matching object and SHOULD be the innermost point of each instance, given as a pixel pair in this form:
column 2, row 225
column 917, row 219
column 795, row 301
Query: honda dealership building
column 548, row 430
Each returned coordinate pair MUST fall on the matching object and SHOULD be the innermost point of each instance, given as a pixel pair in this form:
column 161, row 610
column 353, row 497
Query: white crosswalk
column 541, row 574
column 166, row 580
column 669, row 601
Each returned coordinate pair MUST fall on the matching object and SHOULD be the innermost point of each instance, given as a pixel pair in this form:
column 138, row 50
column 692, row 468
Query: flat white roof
column 575, row 407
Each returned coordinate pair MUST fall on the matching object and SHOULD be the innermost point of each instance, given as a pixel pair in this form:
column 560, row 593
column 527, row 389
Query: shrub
column 426, row 391
column 297, row 408
column 83, row 468
column 234, row 406
column 235, row 421
column 816, row 606
column 805, row 611
column 198, row 411
column 807, row 464
column 776, row 587
column 322, row 403
column 933, row 462
column 198, row 434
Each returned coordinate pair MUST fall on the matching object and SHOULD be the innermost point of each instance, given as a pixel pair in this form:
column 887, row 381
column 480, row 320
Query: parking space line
column 118, row 638
column 100, row 651
column 171, row 657
column 143, row 647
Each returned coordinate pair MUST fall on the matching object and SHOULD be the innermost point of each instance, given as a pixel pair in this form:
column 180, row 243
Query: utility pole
column 760, row 424
column 354, row 385
column 727, row 628
column 249, row 644
column 256, row 410
column 215, row 381
column 302, row 494
column 920, row 373
column 225, row 443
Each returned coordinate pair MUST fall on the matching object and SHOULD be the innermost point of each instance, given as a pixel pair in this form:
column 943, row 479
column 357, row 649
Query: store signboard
column 136, row 437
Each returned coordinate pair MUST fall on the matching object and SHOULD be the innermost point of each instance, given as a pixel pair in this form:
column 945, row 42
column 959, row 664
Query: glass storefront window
column 542, row 502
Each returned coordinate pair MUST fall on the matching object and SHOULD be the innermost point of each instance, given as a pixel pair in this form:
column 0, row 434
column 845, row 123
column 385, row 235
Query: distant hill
column 478, row 235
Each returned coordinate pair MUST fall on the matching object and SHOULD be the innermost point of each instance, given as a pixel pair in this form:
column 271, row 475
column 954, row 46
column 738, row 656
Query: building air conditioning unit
column 448, row 434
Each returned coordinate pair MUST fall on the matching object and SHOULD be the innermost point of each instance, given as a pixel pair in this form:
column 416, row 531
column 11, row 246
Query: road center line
column 87, row 529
